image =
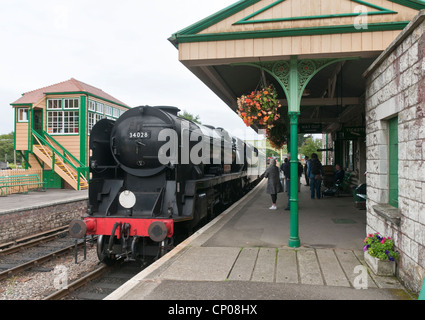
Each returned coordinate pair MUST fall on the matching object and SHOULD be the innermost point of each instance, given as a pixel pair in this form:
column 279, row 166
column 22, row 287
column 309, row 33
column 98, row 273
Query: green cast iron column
column 293, row 111
column 294, row 240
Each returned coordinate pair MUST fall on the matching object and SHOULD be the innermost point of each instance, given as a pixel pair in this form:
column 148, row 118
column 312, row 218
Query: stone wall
column 16, row 225
column 396, row 87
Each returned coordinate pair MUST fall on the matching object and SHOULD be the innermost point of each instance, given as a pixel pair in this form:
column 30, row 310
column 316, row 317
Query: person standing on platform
column 273, row 183
column 286, row 168
column 307, row 163
column 285, row 162
column 315, row 173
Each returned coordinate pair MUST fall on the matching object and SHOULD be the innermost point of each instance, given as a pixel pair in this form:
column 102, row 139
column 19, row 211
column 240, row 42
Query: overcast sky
column 120, row 47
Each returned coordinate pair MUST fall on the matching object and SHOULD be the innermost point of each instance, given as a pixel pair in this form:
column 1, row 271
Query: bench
column 363, row 196
column 20, row 184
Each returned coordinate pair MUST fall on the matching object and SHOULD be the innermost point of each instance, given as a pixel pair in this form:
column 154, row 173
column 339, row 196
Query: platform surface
column 244, row 254
column 39, row 199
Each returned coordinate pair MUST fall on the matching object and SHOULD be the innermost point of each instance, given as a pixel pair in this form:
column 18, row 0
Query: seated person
column 339, row 173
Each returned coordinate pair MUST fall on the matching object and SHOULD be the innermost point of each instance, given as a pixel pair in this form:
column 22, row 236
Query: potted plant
column 379, row 254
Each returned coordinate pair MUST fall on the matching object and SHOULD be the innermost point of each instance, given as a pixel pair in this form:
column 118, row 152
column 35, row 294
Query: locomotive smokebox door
column 157, row 231
column 77, row 229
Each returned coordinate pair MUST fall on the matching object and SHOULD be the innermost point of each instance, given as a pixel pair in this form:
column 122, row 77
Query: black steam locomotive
column 153, row 174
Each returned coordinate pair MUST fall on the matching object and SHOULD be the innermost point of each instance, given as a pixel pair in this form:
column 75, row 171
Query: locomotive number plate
column 139, row 134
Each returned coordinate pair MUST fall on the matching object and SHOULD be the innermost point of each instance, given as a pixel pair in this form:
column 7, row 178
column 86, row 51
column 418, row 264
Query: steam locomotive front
column 128, row 182
column 135, row 142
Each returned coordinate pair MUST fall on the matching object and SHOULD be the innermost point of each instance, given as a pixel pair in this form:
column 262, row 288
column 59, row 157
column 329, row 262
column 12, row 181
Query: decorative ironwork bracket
column 293, row 75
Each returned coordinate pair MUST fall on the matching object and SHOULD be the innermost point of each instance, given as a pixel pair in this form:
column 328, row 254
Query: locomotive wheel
column 102, row 254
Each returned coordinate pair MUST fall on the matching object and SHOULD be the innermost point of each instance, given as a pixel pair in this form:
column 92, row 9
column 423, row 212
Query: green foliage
column 310, row 146
column 380, row 247
column 188, row 116
column 6, row 147
column 272, row 153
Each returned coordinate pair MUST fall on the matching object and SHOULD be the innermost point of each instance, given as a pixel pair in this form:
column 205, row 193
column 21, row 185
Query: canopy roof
column 225, row 49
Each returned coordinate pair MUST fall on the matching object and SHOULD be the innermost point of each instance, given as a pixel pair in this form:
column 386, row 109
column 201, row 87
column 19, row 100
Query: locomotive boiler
column 154, row 175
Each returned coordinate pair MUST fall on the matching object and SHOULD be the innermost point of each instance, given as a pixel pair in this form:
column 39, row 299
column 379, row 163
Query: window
column 116, row 113
column 99, row 111
column 63, row 116
column 62, row 122
column 108, row 110
column 92, row 105
column 99, row 107
column 22, row 115
column 93, row 118
column 349, row 154
column 54, row 104
column 70, row 103
column 393, row 162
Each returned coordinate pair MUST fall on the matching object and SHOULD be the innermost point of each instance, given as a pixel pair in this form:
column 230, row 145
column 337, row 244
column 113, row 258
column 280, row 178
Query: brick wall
column 396, row 87
column 17, row 225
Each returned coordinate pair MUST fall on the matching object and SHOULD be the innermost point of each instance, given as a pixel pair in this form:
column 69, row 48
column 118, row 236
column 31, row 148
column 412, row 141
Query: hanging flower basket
column 261, row 107
column 277, row 135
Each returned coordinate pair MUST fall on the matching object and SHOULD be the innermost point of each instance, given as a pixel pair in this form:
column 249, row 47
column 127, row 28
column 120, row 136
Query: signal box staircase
column 48, row 150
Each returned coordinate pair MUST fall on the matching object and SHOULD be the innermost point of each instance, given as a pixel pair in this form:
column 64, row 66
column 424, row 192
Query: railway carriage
column 154, row 175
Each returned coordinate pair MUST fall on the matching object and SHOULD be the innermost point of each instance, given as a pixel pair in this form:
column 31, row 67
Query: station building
column 351, row 70
column 52, row 129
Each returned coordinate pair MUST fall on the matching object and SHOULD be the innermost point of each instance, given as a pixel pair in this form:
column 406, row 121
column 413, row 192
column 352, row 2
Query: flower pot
column 380, row 267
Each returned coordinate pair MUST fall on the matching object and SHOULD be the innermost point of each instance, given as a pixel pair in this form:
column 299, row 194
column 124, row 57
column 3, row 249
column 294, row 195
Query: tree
column 310, row 146
column 6, row 147
column 188, row 116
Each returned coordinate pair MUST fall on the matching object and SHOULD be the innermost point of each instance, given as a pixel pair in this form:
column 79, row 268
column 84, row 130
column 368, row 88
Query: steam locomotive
column 154, row 174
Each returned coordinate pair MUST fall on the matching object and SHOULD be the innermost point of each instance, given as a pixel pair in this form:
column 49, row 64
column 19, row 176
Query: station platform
column 39, row 199
column 243, row 255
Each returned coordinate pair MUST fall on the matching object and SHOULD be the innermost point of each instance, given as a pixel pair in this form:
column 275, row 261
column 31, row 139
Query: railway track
column 99, row 283
column 34, row 251
column 95, row 283
column 27, row 242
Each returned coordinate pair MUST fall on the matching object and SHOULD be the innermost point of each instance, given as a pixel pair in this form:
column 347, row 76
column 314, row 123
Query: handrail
column 66, row 152
column 79, row 170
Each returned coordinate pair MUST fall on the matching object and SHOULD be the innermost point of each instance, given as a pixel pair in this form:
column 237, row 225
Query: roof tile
column 71, row 85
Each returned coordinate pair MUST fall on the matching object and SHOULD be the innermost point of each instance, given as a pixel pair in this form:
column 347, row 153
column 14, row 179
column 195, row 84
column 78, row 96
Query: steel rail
column 27, row 242
column 78, row 283
column 32, row 263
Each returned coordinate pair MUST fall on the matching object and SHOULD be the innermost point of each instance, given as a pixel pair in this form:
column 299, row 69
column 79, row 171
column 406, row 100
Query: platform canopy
column 313, row 51
column 228, row 49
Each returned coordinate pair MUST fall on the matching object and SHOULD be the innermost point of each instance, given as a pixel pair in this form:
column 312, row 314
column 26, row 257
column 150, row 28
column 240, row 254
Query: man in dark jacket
column 286, row 168
column 307, row 163
column 315, row 173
